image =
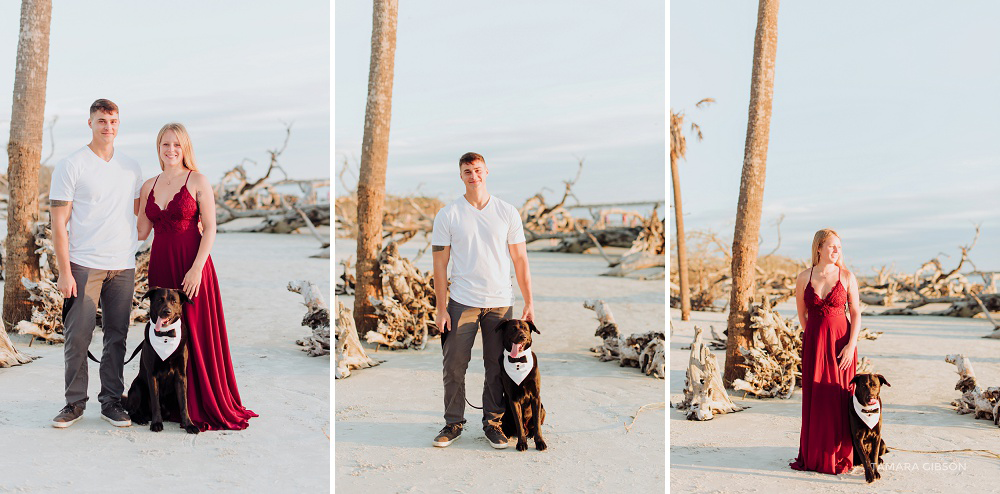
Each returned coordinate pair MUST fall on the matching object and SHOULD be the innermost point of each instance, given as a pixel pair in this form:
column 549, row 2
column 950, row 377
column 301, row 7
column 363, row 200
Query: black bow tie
column 522, row 359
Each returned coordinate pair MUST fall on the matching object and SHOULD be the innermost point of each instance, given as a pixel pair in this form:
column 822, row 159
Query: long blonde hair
column 185, row 140
column 818, row 240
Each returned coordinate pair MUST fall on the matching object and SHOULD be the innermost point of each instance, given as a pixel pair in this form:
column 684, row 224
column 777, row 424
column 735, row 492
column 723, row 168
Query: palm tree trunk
column 374, row 158
column 747, row 232
column 24, row 151
column 682, row 266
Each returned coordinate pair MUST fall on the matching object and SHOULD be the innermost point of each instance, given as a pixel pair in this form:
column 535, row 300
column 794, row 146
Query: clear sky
column 231, row 72
column 529, row 85
column 885, row 125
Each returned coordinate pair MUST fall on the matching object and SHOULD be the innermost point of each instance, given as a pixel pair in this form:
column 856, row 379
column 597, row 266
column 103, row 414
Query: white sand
column 286, row 449
column 387, row 416
column 749, row 451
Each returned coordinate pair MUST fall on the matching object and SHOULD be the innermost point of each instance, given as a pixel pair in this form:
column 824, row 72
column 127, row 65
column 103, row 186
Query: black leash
column 136, row 352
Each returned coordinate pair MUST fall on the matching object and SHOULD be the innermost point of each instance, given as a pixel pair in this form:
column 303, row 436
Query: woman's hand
column 846, row 355
column 192, row 281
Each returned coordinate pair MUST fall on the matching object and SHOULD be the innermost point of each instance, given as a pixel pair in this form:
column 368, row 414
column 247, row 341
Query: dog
column 524, row 414
column 866, row 423
column 160, row 388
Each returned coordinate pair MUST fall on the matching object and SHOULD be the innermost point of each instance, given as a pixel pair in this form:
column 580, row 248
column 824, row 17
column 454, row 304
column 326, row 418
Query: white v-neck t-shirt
column 102, row 231
column 480, row 260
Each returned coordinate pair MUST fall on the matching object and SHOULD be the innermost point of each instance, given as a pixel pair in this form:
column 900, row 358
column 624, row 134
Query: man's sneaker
column 496, row 437
column 116, row 414
column 448, row 435
column 67, row 416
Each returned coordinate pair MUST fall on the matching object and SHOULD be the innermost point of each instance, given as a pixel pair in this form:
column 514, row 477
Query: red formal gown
column 212, row 396
column 825, row 440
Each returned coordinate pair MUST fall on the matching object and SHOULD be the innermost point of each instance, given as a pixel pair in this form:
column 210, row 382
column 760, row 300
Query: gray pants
column 113, row 290
column 456, row 344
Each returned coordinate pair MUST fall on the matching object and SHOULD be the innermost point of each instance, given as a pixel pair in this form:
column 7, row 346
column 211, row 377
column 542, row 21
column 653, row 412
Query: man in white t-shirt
column 476, row 233
column 94, row 201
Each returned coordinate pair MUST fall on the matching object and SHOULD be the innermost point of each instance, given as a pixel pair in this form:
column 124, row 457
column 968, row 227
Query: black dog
column 160, row 388
column 868, row 444
column 524, row 413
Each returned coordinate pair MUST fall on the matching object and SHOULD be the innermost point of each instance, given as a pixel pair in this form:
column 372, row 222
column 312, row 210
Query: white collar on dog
column 518, row 370
column 869, row 418
column 165, row 345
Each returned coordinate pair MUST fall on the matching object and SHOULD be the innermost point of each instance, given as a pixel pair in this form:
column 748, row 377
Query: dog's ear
column 149, row 292
column 531, row 325
column 184, row 297
column 882, row 379
column 503, row 324
column 856, row 377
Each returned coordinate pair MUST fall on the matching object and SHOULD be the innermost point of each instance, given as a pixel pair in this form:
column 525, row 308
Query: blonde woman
column 824, row 294
column 172, row 204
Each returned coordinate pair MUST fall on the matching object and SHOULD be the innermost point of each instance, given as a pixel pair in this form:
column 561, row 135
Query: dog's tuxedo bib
column 165, row 345
column 870, row 417
column 518, row 370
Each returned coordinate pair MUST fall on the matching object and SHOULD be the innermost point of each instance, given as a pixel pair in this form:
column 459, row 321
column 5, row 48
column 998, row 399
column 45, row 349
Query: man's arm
column 441, row 254
column 60, row 212
column 519, row 256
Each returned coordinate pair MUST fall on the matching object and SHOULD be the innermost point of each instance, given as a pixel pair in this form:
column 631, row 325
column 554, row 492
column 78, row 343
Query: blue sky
column 530, row 85
column 230, row 71
column 885, row 125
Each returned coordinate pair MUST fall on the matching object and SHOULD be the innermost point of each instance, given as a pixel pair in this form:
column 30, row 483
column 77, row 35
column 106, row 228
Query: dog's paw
column 156, row 426
column 540, row 444
column 192, row 429
column 877, row 475
column 522, row 445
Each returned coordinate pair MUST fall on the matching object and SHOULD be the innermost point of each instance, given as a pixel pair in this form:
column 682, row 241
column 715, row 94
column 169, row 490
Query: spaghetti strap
column 811, row 274
column 154, row 181
column 186, row 179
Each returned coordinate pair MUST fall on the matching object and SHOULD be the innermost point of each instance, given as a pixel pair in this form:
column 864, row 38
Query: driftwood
column 704, row 393
column 349, row 354
column 773, row 363
column 932, row 284
column 709, row 264
column 406, row 311
column 285, row 220
column 984, row 404
column 864, row 366
column 346, row 281
column 317, row 318
column 647, row 351
column 9, row 356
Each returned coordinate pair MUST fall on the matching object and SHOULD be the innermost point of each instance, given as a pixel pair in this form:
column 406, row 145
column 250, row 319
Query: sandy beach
column 749, row 451
column 286, row 449
column 387, row 416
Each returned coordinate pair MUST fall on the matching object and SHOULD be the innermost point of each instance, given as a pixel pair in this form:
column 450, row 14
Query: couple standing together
column 100, row 209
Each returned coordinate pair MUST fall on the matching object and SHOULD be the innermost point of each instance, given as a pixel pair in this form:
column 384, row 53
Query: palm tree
column 374, row 158
column 678, row 148
column 747, row 231
column 24, row 152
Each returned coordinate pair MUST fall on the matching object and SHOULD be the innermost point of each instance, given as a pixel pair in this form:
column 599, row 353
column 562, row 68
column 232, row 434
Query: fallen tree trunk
column 576, row 243
column 317, row 318
column 288, row 220
column 350, row 354
column 983, row 404
column 704, row 394
column 647, row 351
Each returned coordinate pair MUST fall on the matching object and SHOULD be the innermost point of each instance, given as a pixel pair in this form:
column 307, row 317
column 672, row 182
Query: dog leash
column 982, row 452
column 136, row 352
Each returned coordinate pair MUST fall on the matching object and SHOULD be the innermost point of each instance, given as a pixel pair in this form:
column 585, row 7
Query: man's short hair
column 104, row 105
column 469, row 158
